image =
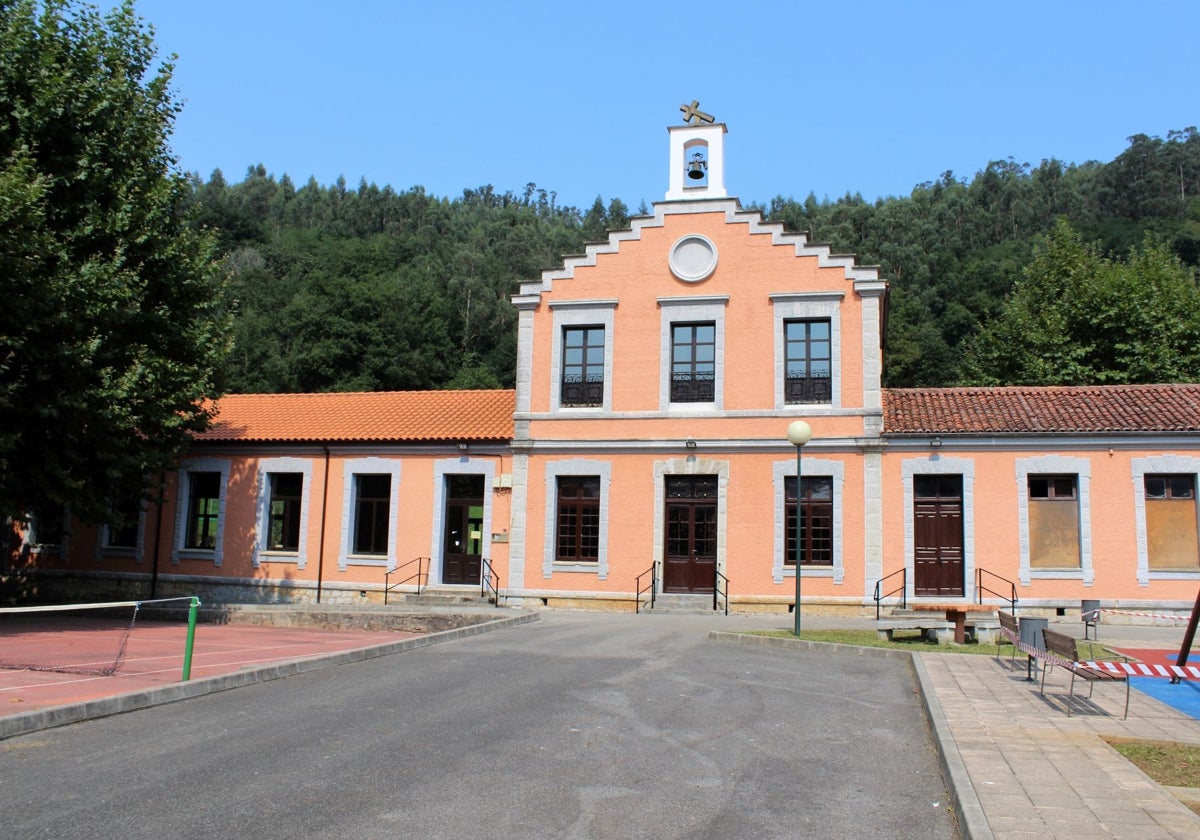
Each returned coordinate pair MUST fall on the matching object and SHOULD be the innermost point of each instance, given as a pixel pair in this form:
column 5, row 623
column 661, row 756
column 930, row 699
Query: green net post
column 193, row 608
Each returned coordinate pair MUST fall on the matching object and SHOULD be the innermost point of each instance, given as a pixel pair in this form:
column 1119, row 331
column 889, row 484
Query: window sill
column 1056, row 574
column 364, row 560
column 809, row 571
column 208, row 555
column 280, row 557
column 587, row 568
column 1174, row 574
column 119, row 551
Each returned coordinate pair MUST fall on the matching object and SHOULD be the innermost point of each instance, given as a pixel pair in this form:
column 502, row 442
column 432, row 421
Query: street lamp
column 798, row 434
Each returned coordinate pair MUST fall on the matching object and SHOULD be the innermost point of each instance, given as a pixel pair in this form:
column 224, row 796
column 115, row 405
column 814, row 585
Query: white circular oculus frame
column 693, row 258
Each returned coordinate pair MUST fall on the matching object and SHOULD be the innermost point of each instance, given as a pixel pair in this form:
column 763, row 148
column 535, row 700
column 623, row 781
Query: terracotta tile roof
column 1057, row 410
column 374, row 416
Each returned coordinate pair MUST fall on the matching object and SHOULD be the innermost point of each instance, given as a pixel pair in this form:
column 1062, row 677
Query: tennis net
column 71, row 638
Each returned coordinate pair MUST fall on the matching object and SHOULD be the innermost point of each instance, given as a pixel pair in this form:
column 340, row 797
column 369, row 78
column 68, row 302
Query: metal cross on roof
column 692, row 115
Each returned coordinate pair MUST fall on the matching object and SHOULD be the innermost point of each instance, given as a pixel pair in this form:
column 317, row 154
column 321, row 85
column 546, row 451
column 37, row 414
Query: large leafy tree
column 113, row 327
column 1079, row 317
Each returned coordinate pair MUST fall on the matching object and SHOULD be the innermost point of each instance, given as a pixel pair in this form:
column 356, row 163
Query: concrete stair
column 669, row 604
column 440, row 598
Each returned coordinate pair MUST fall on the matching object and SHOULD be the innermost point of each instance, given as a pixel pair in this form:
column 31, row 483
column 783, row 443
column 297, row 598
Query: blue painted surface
column 1183, row 696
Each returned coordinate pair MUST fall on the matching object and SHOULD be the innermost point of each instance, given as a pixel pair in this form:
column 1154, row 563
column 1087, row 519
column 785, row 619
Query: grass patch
column 910, row 640
column 913, row 641
column 1166, row 762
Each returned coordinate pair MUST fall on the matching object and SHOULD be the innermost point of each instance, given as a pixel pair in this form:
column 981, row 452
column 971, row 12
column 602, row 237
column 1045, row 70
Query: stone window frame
column 266, row 468
column 1081, row 468
column 1139, row 467
column 583, row 468
column 581, row 313
column 812, row 468
column 368, row 466
column 180, row 551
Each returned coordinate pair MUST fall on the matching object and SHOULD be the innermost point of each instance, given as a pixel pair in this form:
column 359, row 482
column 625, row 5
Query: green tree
column 113, row 324
column 1078, row 317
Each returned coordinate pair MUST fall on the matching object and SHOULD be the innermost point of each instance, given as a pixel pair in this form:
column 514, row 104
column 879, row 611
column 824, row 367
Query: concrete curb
column 972, row 823
column 23, row 724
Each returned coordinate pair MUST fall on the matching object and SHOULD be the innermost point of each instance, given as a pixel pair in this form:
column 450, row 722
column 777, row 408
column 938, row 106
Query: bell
column 696, row 168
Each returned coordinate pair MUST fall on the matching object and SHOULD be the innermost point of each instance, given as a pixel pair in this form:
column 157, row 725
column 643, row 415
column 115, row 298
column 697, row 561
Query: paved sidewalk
column 1020, row 768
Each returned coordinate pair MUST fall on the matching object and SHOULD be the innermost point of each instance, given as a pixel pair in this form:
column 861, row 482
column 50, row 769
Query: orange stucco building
column 645, row 450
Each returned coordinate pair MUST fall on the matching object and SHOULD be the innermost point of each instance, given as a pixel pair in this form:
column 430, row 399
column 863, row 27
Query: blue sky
column 829, row 97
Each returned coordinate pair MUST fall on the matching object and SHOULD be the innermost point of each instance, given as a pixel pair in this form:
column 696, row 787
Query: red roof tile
column 1057, row 410
column 374, row 416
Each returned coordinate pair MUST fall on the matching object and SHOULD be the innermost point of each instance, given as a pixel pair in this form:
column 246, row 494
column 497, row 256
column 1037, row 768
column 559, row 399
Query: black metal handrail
column 421, row 576
column 902, row 589
column 489, row 580
column 980, row 589
column 717, row 593
column 651, row 587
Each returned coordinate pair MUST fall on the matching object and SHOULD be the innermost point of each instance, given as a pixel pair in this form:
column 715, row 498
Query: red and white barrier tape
column 1096, row 613
column 1143, row 669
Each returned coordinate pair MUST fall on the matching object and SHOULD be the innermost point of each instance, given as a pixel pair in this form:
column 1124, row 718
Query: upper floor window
column 808, row 348
column 808, row 362
column 693, row 362
column 581, row 354
column 582, row 366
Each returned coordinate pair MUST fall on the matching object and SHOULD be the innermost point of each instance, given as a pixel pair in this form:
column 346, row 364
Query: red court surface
column 154, row 657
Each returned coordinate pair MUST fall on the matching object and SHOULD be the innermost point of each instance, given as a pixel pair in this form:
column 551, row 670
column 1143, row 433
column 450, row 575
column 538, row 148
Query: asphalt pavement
column 577, row 725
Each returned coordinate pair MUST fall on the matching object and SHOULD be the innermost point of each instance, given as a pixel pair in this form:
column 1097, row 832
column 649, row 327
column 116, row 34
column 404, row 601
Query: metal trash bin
column 1090, row 614
column 1031, row 629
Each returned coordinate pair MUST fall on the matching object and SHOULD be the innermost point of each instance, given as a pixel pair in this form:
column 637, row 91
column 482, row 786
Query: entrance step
column 683, row 605
column 439, row 599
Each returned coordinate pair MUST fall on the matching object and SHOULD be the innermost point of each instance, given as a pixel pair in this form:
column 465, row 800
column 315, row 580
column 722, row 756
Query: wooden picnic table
column 954, row 612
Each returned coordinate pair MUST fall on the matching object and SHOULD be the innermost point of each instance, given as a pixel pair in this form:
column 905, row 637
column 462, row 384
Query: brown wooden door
column 938, row 535
column 690, row 560
column 462, row 543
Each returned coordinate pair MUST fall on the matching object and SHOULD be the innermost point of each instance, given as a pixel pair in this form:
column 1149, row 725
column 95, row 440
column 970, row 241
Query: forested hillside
column 356, row 289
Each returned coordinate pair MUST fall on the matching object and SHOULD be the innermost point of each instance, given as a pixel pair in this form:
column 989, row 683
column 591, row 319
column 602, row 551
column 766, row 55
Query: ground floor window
column 123, row 533
column 283, row 511
column 372, row 501
column 576, row 517
column 1054, row 522
column 578, row 520
column 204, row 510
column 816, row 521
column 1171, row 533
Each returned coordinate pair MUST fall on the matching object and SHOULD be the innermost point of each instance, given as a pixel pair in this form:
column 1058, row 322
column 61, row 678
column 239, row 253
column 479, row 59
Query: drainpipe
column 324, row 508
column 162, row 500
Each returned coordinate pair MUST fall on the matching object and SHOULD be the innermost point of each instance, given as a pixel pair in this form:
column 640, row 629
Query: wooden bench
column 1061, row 651
column 1010, row 630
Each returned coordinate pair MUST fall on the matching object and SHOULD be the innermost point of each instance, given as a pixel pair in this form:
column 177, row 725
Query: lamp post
column 798, row 434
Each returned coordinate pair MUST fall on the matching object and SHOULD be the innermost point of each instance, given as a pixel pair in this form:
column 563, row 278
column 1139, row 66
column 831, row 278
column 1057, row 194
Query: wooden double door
column 462, row 540
column 938, row 536
column 690, row 551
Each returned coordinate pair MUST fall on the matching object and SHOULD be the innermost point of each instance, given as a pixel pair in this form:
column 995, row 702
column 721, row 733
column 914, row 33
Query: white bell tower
column 697, row 157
